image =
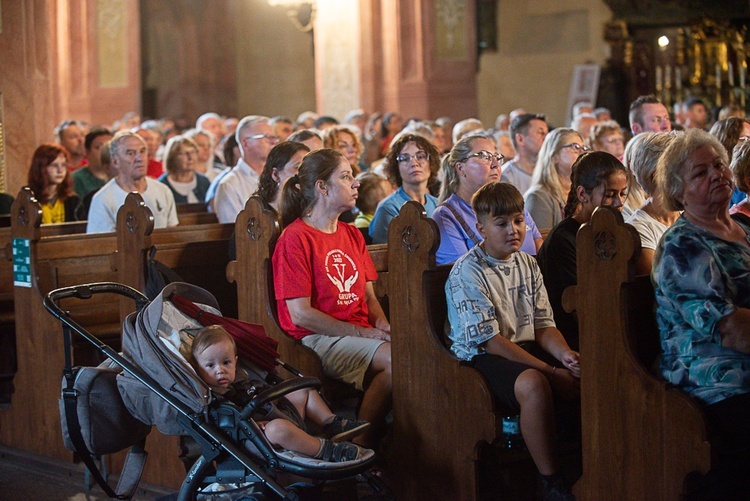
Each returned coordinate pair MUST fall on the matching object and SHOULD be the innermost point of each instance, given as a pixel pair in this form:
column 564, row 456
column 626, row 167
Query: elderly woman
column 282, row 163
column 49, row 179
column 323, row 278
column 550, row 183
column 741, row 169
column 607, row 136
column 204, row 164
column 598, row 179
column 187, row 185
column 702, row 289
column 652, row 219
column 343, row 139
column 412, row 164
column 472, row 163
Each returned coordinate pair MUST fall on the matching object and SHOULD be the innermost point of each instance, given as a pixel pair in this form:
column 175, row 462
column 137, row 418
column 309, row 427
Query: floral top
column 700, row 278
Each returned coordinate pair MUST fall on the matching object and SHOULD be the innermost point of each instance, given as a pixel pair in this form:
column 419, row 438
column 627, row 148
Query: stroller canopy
column 157, row 340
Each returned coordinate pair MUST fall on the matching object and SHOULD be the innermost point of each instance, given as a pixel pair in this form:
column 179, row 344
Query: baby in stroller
column 214, row 358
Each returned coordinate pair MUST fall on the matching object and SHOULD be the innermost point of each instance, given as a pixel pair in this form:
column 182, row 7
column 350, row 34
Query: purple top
column 455, row 242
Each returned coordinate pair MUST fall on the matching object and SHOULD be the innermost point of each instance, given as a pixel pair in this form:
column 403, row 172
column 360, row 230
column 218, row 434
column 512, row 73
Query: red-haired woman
column 50, row 181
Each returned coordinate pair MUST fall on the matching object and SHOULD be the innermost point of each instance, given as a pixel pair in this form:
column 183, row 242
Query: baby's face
column 217, row 364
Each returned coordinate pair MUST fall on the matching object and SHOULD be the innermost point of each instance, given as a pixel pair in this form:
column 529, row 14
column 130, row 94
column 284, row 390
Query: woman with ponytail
column 323, row 280
column 597, row 179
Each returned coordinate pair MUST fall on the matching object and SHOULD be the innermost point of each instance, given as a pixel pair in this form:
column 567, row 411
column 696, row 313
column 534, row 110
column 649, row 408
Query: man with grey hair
column 70, row 136
column 282, row 127
column 211, row 123
column 128, row 162
column 255, row 138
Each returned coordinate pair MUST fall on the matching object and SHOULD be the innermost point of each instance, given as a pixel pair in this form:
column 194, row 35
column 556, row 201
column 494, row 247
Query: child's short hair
column 371, row 192
column 497, row 199
column 209, row 336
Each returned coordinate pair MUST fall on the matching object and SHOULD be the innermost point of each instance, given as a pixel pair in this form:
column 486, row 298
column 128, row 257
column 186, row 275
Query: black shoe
column 340, row 429
column 556, row 489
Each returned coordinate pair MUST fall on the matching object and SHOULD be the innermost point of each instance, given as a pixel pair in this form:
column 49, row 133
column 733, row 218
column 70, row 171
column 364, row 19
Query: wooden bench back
column 197, row 253
column 443, row 410
column 640, row 437
column 32, row 421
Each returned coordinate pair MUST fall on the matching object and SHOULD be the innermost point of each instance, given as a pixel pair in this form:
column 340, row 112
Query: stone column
column 63, row 59
column 417, row 57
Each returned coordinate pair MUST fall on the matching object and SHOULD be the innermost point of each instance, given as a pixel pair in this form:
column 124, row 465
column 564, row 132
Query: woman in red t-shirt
column 323, row 279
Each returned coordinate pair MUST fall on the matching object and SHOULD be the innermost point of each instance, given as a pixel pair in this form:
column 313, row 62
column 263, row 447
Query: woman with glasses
column 49, row 179
column 180, row 159
column 598, row 179
column 607, row 136
column 412, row 164
column 550, row 183
column 471, row 163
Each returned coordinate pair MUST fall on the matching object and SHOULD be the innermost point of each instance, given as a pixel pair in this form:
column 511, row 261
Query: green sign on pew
column 21, row 262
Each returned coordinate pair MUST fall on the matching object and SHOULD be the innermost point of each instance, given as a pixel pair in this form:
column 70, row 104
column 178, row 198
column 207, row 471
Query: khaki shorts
column 345, row 359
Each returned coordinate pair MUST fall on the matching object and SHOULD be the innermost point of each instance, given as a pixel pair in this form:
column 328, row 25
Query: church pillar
column 62, row 59
column 417, row 57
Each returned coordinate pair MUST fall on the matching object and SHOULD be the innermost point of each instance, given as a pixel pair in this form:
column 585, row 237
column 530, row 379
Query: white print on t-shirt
column 342, row 271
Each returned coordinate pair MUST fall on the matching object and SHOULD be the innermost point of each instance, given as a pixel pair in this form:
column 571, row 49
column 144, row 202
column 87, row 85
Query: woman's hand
column 565, row 384
column 373, row 333
column 571, row 361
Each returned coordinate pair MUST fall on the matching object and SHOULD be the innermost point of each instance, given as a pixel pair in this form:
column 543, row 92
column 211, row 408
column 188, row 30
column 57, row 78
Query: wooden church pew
column 640, row 436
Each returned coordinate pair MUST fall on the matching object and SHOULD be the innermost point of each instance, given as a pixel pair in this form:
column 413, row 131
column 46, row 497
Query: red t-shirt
column 331, row 269
column 154, row 168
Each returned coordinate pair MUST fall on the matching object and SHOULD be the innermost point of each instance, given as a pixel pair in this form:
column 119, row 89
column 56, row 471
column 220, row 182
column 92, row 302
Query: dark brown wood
column 640, row 437
column 32, row 420
column 443, row 410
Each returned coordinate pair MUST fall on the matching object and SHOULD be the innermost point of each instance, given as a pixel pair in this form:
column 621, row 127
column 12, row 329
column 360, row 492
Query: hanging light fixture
column 300, row 12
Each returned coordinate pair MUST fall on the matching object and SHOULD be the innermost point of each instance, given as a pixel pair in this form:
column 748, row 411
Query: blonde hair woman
column 550, row 183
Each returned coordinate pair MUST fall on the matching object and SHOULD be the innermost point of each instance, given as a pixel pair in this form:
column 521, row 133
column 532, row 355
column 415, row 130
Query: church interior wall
column 538, row 44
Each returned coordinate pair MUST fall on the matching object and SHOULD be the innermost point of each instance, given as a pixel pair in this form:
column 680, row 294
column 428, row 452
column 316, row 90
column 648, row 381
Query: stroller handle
column 86, row 291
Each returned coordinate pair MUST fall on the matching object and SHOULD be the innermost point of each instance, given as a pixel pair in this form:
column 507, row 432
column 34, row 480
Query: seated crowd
column 508, row 203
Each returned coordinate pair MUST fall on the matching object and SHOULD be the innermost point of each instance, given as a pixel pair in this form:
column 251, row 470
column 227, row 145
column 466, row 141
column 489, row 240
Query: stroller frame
column 232, row 463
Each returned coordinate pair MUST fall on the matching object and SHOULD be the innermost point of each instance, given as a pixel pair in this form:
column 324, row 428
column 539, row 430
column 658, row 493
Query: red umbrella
column 252, row 342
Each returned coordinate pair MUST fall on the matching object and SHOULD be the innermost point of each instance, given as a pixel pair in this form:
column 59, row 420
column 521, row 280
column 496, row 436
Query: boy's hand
column 374, row 333
column 571, row 361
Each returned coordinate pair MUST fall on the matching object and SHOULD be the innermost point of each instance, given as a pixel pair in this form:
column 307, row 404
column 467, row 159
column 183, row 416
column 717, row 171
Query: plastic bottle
column 513, row 441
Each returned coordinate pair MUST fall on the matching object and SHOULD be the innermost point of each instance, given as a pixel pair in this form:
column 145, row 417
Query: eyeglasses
column 188, row 153
column 614, row 140
column 406, row 158
column 488, row 156
column 578, row 148
column 743, row 139
column 273, row 139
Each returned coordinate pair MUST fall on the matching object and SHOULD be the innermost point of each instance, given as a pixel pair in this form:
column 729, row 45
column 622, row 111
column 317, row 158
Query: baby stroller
column 158, row 387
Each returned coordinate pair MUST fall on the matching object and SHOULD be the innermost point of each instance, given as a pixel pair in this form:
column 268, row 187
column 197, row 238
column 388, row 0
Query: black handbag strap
column 132, row 469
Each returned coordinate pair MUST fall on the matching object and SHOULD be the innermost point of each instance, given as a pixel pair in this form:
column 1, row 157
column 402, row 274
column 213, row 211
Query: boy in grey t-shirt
column 501, row 322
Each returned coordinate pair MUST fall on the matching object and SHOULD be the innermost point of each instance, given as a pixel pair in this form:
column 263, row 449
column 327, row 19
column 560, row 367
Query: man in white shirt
column 129, row 163
column 255, row 137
